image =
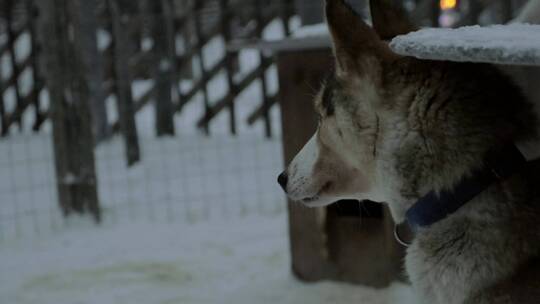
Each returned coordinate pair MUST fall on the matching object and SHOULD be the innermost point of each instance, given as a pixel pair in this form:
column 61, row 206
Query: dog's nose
column 282, row 180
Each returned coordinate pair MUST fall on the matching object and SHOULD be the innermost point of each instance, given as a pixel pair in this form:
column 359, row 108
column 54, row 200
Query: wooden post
column 120, row 15
column 229, row 60
column 38, row 84
column 325, row 245
column 12, row 38
column 70, row 111
column 85, row 35
column 164, row 63
column 197, row 12
column 263, row 60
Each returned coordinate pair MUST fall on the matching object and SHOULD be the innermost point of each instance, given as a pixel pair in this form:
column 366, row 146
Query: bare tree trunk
column 123, row 48
column 85, row 26
column 70, row 112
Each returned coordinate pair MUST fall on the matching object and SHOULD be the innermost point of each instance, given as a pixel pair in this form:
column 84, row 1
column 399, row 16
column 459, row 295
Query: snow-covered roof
column 515, row 44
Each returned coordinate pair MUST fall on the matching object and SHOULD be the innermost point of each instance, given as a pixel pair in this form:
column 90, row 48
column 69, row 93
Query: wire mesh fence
column 189, row 178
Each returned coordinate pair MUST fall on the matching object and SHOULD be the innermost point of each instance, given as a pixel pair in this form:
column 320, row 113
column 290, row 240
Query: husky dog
column 405, row 131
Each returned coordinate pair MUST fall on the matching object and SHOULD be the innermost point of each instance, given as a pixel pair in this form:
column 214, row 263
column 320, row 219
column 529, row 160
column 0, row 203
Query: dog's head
column 392, row 128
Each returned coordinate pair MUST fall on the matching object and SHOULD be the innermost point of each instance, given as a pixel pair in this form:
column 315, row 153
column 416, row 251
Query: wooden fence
column 123, row 60
column 148, row 40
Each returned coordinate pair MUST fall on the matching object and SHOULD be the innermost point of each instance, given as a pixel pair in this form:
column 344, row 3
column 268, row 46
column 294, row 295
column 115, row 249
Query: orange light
column 448, row 4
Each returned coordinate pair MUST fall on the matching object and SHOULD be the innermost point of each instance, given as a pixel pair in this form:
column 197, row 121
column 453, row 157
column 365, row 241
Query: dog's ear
column 390, row 19
column 356, row 45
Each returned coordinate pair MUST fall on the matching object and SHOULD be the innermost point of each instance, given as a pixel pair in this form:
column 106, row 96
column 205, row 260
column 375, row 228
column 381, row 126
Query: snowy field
column 240, row 261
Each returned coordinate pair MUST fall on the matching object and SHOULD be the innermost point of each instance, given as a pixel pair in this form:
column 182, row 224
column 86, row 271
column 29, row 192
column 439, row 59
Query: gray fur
column 454, row 113
column 405, row 127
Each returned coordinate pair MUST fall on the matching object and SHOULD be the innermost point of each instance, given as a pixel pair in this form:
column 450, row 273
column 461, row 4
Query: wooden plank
column 241, row 86
column 200, row 83
column 260, row 111
column 209, row 74
column 26, row 101
column 287, row 44
column 17, row 31
column 13, row 78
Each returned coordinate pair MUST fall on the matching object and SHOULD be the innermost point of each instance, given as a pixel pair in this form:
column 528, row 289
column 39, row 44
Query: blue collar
column 434, row 207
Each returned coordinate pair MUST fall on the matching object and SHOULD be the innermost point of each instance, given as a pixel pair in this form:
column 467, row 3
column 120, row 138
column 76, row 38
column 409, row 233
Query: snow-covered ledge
column 514, row 44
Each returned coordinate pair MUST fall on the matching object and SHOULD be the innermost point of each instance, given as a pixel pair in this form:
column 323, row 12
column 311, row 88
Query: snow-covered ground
column 240, row 261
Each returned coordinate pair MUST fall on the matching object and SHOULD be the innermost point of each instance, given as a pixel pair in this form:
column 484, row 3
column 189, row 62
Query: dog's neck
column 435, row 206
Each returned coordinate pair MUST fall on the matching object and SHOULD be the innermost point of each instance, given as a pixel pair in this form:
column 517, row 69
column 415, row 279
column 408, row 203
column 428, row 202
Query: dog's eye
column 362, row 126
